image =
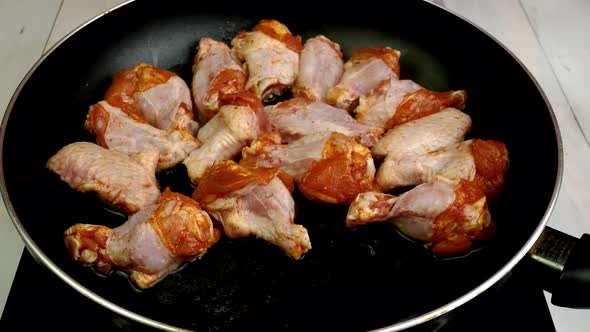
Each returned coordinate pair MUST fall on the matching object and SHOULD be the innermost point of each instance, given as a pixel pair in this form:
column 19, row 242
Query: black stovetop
column 39, row 301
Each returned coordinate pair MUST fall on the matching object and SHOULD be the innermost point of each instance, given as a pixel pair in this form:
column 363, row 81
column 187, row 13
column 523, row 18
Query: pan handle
column 561, row 263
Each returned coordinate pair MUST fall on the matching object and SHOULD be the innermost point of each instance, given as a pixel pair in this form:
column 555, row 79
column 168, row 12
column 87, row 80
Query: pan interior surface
column 357, row 279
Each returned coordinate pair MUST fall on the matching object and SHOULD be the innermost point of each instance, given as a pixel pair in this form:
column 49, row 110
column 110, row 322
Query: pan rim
column 422, row 318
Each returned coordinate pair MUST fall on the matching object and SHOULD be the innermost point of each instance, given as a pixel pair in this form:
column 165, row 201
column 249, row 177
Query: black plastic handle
column 561, row 263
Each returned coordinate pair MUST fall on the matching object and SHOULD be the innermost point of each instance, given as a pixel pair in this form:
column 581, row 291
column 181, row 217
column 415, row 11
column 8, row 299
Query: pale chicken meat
column 156, row 96
column 395, row 102
column 118, row 131
column 152, row 243
column 253, row 202
column 449, row 216
column 240, row 120
column 320, row 68
column 484, row 162
column 363, row 72
column 271, row 56
column 328, row 167
column 299, row 117
column 216, row 71
column 424, row 135
column 126, row 182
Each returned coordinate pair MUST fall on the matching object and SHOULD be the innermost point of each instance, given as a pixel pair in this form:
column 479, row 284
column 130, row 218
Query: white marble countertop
column 552, row 38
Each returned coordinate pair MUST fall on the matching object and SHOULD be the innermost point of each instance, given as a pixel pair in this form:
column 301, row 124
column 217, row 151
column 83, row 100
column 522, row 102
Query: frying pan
column 361, row 279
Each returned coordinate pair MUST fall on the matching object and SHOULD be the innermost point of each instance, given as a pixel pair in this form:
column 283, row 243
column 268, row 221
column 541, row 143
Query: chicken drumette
column 447, row 215
column 271, row 56
column 251, row 201
column 240, row 120
column 328, row 167
column 299, row 117
column 364, row 71
column 217, row 71
column 156, row 96
column 152, row 243
column 320, row 68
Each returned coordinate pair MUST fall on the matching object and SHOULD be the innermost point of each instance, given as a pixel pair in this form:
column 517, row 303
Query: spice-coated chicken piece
column 240, row 120
column 216, row 71
column 156, row 96
column 320, row 68
column 424, row 135
column 271, row 56
column 127, row 183
column 152, row 243
column 251, row 201
column 328, row 166
column 447, row 215
column 363, row 72
column 299, row 117
column 116, row 130
column 485, row 162
column 395, row 101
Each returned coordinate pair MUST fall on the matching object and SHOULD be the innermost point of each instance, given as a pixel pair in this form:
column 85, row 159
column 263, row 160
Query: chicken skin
column 153, row 242
column 116, row 130
column 153, row 95
column 328, row 167
column 424, row 135
column 448, row 216
column 485, row 162
column 320, row 68
column 395, row 102
column 127, row 183
column 271, row 56
column 300, row 117
column 216, row 71
column 252, row 202
column 363, row 72
column 240, row 120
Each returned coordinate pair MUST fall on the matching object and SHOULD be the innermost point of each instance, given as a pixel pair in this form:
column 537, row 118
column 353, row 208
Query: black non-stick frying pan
column 359, row 279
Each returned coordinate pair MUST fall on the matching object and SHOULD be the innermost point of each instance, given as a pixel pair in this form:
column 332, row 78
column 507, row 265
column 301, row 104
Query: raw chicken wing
column 153, row 95
column 252, row 202
column 328, row 167
column 448, row 215
column 127, row 183
column 395, row 102
column 300, row 117
column 239, row 121
column 271, row 56
column 152, row 243
column 320, row 68
column 424, row 135
column 363, row 72
column 117, row 130
column 485, row 162
column 216, row 71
